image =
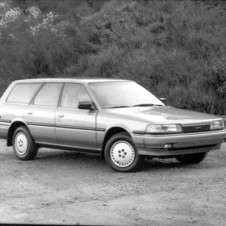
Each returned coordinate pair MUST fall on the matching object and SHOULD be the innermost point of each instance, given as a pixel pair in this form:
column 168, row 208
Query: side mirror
column 86, row 105
column 163, row 99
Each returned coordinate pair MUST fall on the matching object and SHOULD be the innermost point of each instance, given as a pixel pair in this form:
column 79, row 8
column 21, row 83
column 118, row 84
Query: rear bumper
column 177, row 144
column 4, row 127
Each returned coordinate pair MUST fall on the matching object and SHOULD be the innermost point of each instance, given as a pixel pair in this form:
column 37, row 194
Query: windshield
column 123, row 94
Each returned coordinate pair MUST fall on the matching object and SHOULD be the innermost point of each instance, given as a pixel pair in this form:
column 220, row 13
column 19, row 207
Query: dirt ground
column 61, row 187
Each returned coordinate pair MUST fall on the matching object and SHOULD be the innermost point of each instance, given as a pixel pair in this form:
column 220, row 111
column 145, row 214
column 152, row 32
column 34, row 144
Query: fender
column 17, row 122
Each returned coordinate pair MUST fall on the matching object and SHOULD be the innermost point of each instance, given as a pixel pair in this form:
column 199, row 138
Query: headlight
column 164, row 128
column 218, row 124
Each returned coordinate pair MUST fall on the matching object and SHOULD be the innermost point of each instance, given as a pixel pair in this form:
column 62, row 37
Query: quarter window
column 48, row 95
column 23, row 92
column 73, row 94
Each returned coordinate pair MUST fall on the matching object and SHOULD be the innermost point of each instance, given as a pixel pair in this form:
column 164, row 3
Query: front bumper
column 158, row 145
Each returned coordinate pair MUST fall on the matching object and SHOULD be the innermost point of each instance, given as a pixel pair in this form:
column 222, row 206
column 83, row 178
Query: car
column 118, row 119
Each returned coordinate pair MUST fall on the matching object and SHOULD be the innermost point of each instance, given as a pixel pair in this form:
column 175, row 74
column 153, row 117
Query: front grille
column 196, row 128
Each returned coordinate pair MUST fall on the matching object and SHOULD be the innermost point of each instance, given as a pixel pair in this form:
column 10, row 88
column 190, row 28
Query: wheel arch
column 111, row 132
column 12, row 129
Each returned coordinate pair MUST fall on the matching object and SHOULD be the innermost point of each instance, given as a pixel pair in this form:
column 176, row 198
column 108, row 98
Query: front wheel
column 23, row 144
column 191, row 158
column 121, row 154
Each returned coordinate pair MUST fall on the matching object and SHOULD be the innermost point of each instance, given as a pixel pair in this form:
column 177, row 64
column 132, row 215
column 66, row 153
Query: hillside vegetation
column 176, row 49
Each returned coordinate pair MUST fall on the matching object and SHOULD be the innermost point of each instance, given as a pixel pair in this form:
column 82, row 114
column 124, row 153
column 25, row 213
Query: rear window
column 23, row 93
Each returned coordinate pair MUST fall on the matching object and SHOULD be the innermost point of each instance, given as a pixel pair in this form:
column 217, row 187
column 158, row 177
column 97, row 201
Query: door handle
column 29, row 112
column 60, row 115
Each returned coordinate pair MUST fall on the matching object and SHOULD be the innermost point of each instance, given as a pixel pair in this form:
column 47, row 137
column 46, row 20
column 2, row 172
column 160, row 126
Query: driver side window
column 73, row 94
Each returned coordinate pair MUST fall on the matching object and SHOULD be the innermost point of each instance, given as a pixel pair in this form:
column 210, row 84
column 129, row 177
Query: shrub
column 176, row 49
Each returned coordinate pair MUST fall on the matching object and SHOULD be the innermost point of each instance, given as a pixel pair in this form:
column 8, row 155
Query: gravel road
column 61, row 187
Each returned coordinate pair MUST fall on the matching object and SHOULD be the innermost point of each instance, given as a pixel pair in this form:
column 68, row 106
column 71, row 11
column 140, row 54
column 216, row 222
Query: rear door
column 40, row 114
column 75, row 127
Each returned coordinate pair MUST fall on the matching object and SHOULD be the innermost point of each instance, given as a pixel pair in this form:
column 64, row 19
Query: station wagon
column 118, row 119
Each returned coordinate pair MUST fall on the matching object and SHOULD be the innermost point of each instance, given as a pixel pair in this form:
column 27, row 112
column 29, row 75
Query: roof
column 80, row 80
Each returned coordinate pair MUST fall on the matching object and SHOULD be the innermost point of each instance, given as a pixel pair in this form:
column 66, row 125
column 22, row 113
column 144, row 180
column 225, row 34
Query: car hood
column 161, row 114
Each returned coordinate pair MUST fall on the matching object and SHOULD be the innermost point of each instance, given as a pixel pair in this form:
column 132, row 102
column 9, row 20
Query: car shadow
column 86, row 159
column 62, row 154
column 157, row 164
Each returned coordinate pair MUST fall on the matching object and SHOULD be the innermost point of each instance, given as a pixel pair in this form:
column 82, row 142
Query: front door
column 75, row 127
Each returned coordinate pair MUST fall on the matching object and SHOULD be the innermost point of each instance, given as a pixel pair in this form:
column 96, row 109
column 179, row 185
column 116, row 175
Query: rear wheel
column 191, row 158
column 23, row 144
column 121, row 153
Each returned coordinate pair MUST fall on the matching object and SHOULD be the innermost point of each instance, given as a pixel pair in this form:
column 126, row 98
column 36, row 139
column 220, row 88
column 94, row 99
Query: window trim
column 61, row 94
column 32, row 100
column 23, row 83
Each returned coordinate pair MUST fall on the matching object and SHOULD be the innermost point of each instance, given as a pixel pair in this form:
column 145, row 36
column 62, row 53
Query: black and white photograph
column 113, row 112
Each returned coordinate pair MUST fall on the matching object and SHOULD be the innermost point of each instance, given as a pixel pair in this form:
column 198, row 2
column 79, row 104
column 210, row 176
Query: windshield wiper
column 123, row 106
column 146, row 105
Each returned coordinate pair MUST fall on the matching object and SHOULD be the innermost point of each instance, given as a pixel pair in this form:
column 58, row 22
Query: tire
column 191, row 158
column 121, row 154
column 23, row 144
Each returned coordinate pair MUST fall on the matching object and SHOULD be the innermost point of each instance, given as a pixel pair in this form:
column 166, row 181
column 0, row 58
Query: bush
column 176, row 49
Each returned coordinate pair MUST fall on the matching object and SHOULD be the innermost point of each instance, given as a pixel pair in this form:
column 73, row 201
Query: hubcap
column 21, row 143
column 122, row 153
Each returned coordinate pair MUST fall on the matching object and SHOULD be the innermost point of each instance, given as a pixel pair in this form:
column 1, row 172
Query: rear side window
column 48, row 95
column 23, row 93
